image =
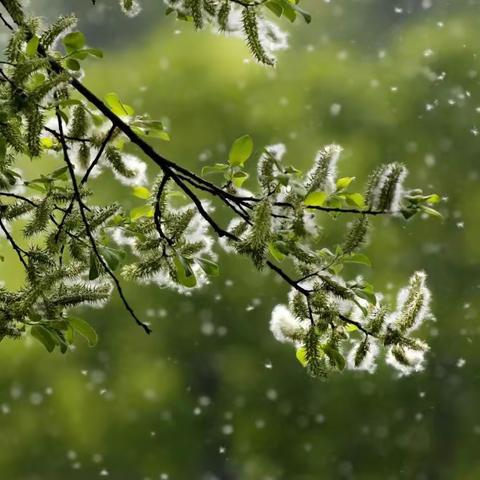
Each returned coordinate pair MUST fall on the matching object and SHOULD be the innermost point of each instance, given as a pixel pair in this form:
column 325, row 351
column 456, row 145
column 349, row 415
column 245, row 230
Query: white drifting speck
column 227, row 429
column 335, row 109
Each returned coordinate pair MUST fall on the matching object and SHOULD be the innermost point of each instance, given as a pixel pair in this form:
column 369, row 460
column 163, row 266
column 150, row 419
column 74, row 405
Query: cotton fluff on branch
column 262, row 36
column 413, row 304
column 138, row 170
column 385, row 190
column 131, row 8
column 285, row 327
column 322, row 175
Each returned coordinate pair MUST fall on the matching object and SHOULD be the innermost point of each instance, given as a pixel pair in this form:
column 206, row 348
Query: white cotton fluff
column 398, row 189
column 368, row 364
column 224, row 241
column 420, row 305
column 138, row 167
column 328, row 158
column 119, row 237
column 415, row 358
column 285, row 327
column 133, row 11
column 277, row 150
column 80, row 168
column 271, row 36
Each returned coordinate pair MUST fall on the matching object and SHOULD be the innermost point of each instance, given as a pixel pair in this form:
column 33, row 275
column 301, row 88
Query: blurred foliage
column 211, row 394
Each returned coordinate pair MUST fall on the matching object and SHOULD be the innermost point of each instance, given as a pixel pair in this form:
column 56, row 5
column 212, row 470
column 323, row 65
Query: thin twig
column 19, row 251
column 89, row 233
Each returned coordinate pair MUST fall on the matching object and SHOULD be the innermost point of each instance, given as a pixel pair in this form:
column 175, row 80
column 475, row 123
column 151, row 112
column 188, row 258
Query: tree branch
column 88, row 231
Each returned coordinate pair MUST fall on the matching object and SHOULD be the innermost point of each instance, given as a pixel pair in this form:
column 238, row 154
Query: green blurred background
column 211, row 395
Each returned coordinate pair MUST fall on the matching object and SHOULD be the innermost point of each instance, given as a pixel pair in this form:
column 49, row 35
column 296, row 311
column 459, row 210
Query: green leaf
column 73, row 64
column 315, row 199
column 343, row 183
column 59, row 172
column 434, row 198
column 275, row 8
column 185, row 274
column 47, row 142
column 74, row 41
column 84, row 329
column 142, row 192
column 355, row 199
column 239, row 178
column 94, row 271
column 217, row 168
column 116, row 106
column 32, row 46
column 142, row 211
column 431, row 211
column 358, row 258
column 241, row 151
column 275, row 252
column 306, row 16
column 301, row 355
column 335, row 356
column 366, row 294
column 112, row 256
column 288, row 10
column 44, row 336
column 209, row 267
column 94, row 52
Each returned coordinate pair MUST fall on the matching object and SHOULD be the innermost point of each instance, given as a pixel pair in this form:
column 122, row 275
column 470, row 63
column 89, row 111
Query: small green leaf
column 343, row 183
column 116, row 106
column 239, row 178
column 335, row 356
column 185, row 274
column 142, row 211
column 355, row 199
column 142, row 192
column 74, row 41
column 94, row 52
column 94, row 271
column 112, row 256
column 212, row 169
column 84, row 329
column 73, row 64
column 32, row 46
column 275, row 252
column 59, row 172
column 315, row 199
column 434, row 198
column 301, row 355
column 431, row 211
column 44, row 336
column 306, row 16
column 275, row 8
column 241, row 151
column 358, row 258
column 209, row 267
column 366, row 294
